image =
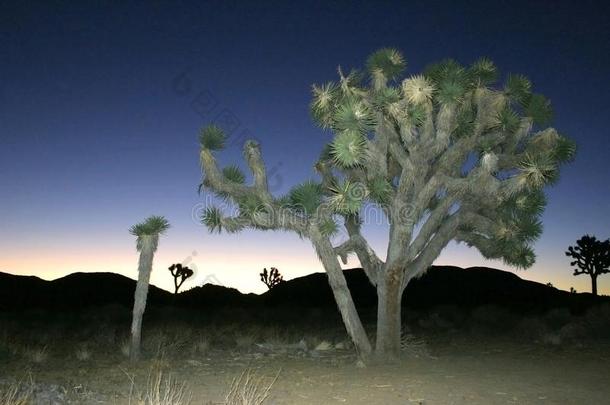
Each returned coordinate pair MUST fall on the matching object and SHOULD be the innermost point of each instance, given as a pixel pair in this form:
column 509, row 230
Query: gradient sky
column 100, row 106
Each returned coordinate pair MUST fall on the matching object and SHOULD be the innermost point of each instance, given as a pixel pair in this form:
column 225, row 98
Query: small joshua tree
column 180, row 274
column 147, row 233
column 271, row 278
column 446, row 155
column 592, row 257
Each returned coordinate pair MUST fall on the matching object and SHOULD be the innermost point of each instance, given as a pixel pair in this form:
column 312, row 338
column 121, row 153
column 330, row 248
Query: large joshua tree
column 445, row 155
column 147, row 233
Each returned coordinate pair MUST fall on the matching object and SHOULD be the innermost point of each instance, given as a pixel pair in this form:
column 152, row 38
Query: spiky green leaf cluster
column 526, row 203
column 348, row 149
column 153, row 225
column 483, row 72
column 384, row 98
column 564, row 150
column 416, row 115
column 465, row 122
column 328, row 227
column 538, row 170
column 451, row 80
column 234, row 174
column 519, row 229
column 518, row 88
column 212, row 137
column 353, row 116
column 350, row 86
column 250, row 205
column 379, row 190
column 450, row 91
column 323, row 103
column 418, row 90
column 539, row 109
column 305, row 198
column 507, row 120
column 447, row 70
column 347, row 197
column 520, row 256
column 212, row 219
column 387, row 61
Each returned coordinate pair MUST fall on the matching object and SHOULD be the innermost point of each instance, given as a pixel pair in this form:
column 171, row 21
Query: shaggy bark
column 389, row 299
column 147, row 251
column 342, row 295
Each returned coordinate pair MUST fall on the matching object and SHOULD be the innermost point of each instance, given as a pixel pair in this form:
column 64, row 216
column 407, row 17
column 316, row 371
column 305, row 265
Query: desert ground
column 484, row 356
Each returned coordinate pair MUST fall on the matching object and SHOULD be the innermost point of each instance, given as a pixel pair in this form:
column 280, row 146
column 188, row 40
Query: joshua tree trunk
column 342, row 295
column 389, row 297
column 139, row 304
column 594, row 284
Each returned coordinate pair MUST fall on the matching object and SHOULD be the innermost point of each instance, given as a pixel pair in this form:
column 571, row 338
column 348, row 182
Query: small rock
column 323, row 346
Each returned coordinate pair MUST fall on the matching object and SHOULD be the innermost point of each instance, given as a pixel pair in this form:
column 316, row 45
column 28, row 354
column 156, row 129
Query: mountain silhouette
column 76, row 290
column 441, row 285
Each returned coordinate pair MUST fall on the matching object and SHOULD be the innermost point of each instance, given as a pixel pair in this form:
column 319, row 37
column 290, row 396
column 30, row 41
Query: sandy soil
column 462, row 371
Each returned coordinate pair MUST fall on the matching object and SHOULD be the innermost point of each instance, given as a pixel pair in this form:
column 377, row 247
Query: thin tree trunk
column 594, row 284
column 139, row 303
column 343, row 297
column 389, row 297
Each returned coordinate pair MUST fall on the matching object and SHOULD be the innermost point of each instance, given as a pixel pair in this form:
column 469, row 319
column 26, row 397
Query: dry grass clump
column 15, row 394
column 201, row 345
column 37, row 355
column 245, row 340
column 125, row 348
column 160, row 389
column 83, row 353
column 250, row 389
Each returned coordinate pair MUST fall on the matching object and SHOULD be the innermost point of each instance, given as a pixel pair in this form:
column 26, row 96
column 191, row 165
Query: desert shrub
column 434, row 321
column 597, row 321
column 558, row 318
column 450, row 316
column 574, row 332
column 532, row 328
column 492, row 319
column 162, row 343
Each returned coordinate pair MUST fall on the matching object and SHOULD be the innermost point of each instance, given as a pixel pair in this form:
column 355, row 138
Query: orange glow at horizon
column 241, row 271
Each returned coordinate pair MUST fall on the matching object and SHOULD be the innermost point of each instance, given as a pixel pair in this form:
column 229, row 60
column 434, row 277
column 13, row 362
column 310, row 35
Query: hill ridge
column 440, row 285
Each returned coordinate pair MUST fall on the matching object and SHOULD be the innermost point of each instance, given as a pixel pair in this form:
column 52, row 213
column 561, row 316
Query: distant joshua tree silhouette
column 550, row 285
column 271, row 278
column 592, row 257
column 147, row 234
column 180, row 274
column 573, row 290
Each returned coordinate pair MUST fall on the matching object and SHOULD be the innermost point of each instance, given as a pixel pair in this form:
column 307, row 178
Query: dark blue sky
column 100, row 106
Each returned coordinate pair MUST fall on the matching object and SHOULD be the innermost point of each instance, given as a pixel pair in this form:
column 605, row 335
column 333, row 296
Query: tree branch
column 433, row 249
